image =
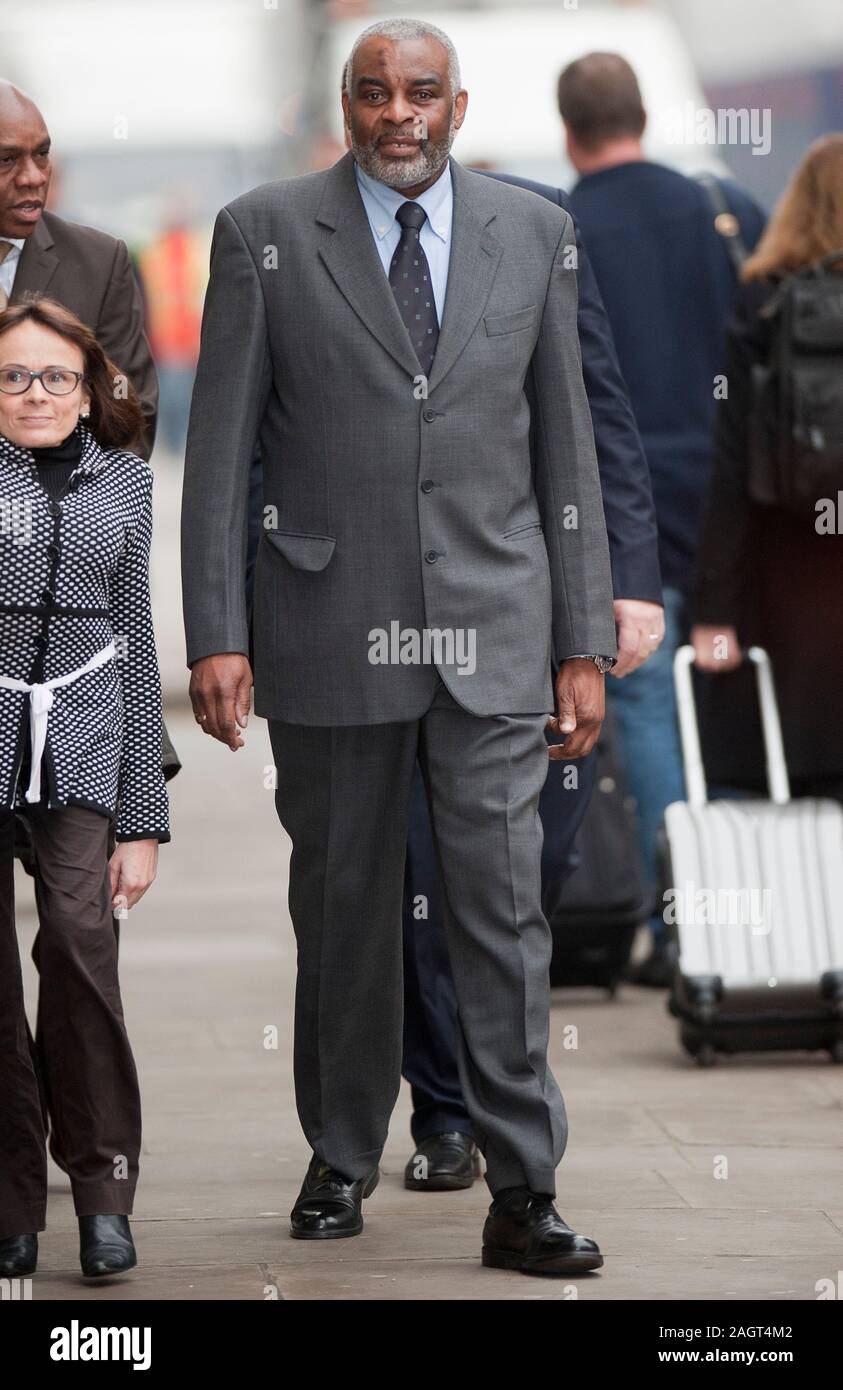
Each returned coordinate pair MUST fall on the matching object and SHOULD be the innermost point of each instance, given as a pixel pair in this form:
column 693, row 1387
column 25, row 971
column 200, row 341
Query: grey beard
column 405, row 173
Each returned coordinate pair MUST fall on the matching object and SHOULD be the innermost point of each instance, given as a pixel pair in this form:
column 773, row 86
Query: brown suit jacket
column 90, row 273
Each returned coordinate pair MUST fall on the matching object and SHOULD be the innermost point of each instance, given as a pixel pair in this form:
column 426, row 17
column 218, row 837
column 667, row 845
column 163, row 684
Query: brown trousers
column 82, row 1070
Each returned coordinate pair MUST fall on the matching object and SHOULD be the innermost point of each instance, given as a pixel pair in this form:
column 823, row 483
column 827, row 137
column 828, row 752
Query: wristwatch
column 603, row 663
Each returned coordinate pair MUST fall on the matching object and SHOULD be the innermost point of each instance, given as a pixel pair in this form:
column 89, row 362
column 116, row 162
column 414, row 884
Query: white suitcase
column 755, row 897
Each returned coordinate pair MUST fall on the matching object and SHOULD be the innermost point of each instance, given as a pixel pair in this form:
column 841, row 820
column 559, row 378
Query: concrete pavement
column 207, row 968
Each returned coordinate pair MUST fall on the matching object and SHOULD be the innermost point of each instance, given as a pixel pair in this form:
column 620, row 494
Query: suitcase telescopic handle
column 777, row 778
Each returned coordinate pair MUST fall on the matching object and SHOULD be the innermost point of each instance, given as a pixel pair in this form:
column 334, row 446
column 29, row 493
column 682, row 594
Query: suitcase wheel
column 837, row 1051
column 706, row 1055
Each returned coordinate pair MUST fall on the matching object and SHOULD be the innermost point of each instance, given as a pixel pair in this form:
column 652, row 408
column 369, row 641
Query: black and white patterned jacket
column 74, row 576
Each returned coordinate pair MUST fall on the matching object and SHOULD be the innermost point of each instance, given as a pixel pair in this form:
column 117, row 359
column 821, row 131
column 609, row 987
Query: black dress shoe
column 18, row 1255
column 329, row 1206
column 525, row 1231
column 443, row 1163
column 105, row 1245
column 655, row 971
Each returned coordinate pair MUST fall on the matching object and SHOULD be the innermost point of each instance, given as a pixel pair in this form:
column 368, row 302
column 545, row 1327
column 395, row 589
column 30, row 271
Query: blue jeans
column 644, row 705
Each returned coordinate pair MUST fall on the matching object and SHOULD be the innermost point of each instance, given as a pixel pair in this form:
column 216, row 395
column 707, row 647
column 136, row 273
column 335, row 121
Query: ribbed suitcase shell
column 756, row 898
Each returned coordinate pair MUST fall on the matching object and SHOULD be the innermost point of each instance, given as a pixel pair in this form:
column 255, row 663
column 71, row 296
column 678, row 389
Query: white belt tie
column 40, row 704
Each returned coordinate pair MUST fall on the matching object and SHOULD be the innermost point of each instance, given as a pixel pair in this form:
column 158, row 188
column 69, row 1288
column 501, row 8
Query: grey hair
column 408, row 29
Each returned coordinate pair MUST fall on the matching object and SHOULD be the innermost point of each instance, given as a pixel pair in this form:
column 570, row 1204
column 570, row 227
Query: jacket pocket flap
column 527, row 528
column 303, row 549
column 510, row 323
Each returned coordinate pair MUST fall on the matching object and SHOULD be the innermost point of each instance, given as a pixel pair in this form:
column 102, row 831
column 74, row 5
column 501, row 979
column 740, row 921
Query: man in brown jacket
column 86, row 270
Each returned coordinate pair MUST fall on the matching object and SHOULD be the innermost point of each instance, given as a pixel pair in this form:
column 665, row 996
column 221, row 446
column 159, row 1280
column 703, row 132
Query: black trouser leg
column 23, row 1155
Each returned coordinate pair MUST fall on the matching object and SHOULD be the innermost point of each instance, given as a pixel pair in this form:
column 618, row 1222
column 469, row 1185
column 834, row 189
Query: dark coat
column 668, row 285
column 624, row 474
column 769, row 573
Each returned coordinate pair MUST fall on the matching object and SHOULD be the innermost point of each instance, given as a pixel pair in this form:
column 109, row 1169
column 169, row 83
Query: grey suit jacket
column 476, row 509
column 90, row 273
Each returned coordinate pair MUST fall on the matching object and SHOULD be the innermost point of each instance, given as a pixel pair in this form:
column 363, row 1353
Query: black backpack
column 796, row 410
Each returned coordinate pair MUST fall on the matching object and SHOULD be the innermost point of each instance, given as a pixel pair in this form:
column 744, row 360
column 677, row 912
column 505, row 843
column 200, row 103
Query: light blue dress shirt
column 382, row 203
column 10, row 264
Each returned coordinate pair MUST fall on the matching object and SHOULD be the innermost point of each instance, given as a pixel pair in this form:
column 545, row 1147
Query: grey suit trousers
column 343, row 797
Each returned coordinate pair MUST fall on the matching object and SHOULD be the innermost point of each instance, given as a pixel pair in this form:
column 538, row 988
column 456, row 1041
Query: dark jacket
column 624, row 474
column 767, row 572
column 668, row 286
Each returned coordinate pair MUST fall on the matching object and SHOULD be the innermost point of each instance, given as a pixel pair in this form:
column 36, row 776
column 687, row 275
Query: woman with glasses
column 80, row 756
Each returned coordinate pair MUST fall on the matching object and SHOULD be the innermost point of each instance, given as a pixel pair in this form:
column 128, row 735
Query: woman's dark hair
column 116, row 419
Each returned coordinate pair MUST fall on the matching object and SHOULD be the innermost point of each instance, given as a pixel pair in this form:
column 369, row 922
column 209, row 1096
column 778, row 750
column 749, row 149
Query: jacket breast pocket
column 509, row 323
column 529, row 528
column 304, row 550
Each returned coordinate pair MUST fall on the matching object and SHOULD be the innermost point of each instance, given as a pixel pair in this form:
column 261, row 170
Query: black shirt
column 56, row 462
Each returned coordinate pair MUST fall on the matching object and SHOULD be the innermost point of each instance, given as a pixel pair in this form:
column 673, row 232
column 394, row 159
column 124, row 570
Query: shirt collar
column 17, row 241
column 437, row 201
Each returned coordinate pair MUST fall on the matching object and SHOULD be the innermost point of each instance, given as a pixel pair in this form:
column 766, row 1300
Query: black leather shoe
column 655, row 971
column 329, row 1206
column 18, row 1255
column 525, row 1231
column 105, row 1245
column 443, row 1163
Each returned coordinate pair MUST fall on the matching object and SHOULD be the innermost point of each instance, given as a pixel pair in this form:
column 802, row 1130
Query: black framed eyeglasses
column 59, row 381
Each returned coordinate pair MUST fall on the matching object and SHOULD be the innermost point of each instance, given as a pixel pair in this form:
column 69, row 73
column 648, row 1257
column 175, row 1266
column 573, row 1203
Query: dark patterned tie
column 409, row 276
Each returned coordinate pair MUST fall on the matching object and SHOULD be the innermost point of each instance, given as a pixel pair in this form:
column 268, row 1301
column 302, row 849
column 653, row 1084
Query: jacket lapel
column 37, row 265
column 475, row 256
column 353, row 261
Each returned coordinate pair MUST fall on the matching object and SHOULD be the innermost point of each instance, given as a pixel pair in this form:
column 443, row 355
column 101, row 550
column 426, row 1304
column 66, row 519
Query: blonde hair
column 808, row 219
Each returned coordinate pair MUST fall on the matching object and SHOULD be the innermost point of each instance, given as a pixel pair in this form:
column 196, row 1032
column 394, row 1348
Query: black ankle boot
column 18, row 1255
column 105, row 1245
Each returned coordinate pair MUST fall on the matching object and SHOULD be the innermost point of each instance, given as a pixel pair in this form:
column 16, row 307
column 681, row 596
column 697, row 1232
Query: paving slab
column 208, row 979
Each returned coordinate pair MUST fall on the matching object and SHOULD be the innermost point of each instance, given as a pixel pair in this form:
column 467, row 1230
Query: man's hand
column 132, row 869
column 581, row 700
column 716, row 649
column 220, row 692
column 640, row 629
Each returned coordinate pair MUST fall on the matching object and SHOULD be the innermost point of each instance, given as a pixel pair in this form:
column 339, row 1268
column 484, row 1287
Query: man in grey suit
column 433, row 579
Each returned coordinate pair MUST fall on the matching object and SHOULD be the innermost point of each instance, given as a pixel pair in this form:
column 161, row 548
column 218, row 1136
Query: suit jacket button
column 429, row 415
column 53, row 550
column 427, row 485
column 431, row 556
